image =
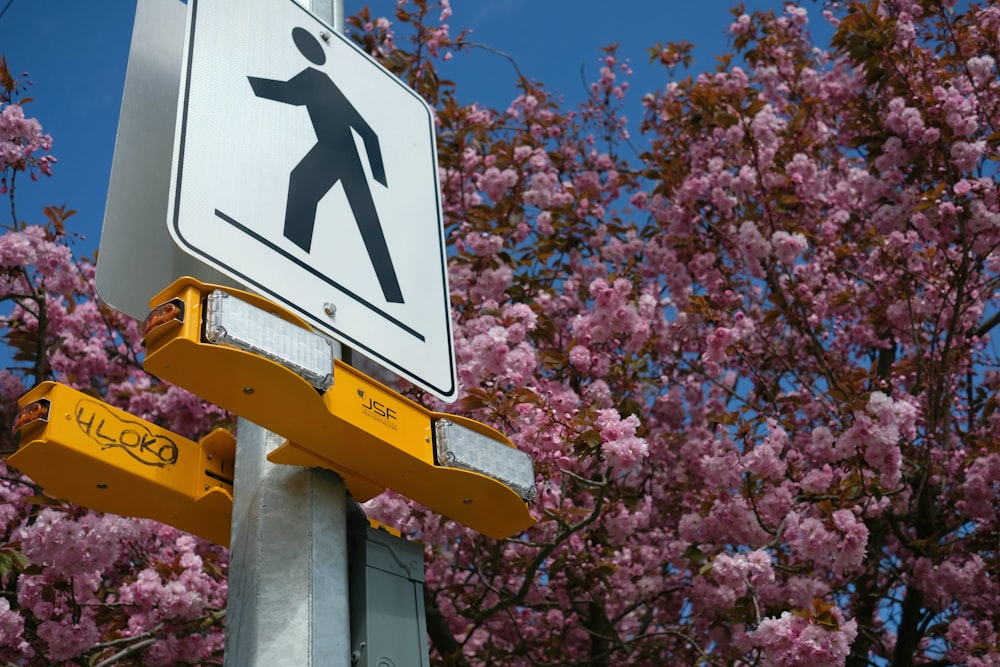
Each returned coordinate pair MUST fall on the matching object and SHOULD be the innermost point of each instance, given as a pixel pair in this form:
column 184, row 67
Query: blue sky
column 76, row 52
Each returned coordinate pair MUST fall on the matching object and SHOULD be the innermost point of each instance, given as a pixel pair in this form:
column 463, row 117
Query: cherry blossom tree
column 78, row 587
column 747, row 341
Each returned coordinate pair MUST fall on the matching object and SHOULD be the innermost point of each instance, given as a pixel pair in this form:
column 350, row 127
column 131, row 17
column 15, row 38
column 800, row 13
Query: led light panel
column 235, row 323
column 459, row 447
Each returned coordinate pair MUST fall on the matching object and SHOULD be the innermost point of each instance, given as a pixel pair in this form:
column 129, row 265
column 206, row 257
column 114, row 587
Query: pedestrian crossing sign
column 307, row 172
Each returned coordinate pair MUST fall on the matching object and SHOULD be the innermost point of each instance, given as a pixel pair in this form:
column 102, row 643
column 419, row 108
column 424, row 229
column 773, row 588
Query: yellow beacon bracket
column 81, row 449
column 247, row 355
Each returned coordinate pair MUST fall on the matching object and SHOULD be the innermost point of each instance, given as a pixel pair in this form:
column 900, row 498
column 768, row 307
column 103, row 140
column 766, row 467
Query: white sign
column 306, row 171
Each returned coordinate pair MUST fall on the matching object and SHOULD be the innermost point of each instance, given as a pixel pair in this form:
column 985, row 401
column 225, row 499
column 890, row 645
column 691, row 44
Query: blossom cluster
column 757, row 384
column 21, row 141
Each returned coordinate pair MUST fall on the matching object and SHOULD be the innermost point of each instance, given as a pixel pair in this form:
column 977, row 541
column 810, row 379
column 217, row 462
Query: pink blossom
column 840, row 547
column 74, row 547
column 495, row 182
column 721, row 338
column 966, row 155
column 12, row 630
column 740, row 25
column 743, row 569
column 765, row 459
column 752, row 244
column 817, row 480
column 788, row 247
column 579, row 356
column 20, row 138
column 853, row 540
column 967, row 639
column 944, row 583
column 799, row 15
column 981, row 68
column 619, row 444
column 980, row 488
column 68, row 640
column 794, row 641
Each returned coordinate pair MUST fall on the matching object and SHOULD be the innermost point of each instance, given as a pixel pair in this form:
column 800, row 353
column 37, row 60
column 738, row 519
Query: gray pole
column 288, row 583
column 331, row 11
column 288, row 590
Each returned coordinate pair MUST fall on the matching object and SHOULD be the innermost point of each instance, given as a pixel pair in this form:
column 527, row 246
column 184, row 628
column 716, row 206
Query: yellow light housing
column 367, row 433
column 101, row 457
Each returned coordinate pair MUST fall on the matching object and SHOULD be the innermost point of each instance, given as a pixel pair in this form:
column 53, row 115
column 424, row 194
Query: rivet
column 102, row 486
column 330, row 309
column 247, row 390
column 467, row 501
column 324, row 35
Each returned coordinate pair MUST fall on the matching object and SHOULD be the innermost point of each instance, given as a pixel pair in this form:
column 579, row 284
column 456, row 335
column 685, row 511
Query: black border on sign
column 322, row 325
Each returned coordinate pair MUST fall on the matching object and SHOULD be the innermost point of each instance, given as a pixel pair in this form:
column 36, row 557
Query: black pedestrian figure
column 333, row 158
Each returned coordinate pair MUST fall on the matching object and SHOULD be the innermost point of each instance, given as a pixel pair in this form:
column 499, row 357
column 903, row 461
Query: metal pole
column 288, row 581
column 331, row 11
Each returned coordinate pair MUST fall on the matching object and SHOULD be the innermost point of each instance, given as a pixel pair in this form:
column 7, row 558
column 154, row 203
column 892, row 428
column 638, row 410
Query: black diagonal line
column 249, row 232
column 6, row 7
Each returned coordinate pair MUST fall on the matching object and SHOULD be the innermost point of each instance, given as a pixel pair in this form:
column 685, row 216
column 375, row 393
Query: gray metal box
column 388, row 622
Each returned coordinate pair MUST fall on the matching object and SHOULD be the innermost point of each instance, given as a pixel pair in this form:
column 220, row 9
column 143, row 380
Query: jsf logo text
column 378, row 411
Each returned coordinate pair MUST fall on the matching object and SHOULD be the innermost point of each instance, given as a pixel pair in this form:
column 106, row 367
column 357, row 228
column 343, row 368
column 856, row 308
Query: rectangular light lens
column 235, row 323
column 459, row 447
